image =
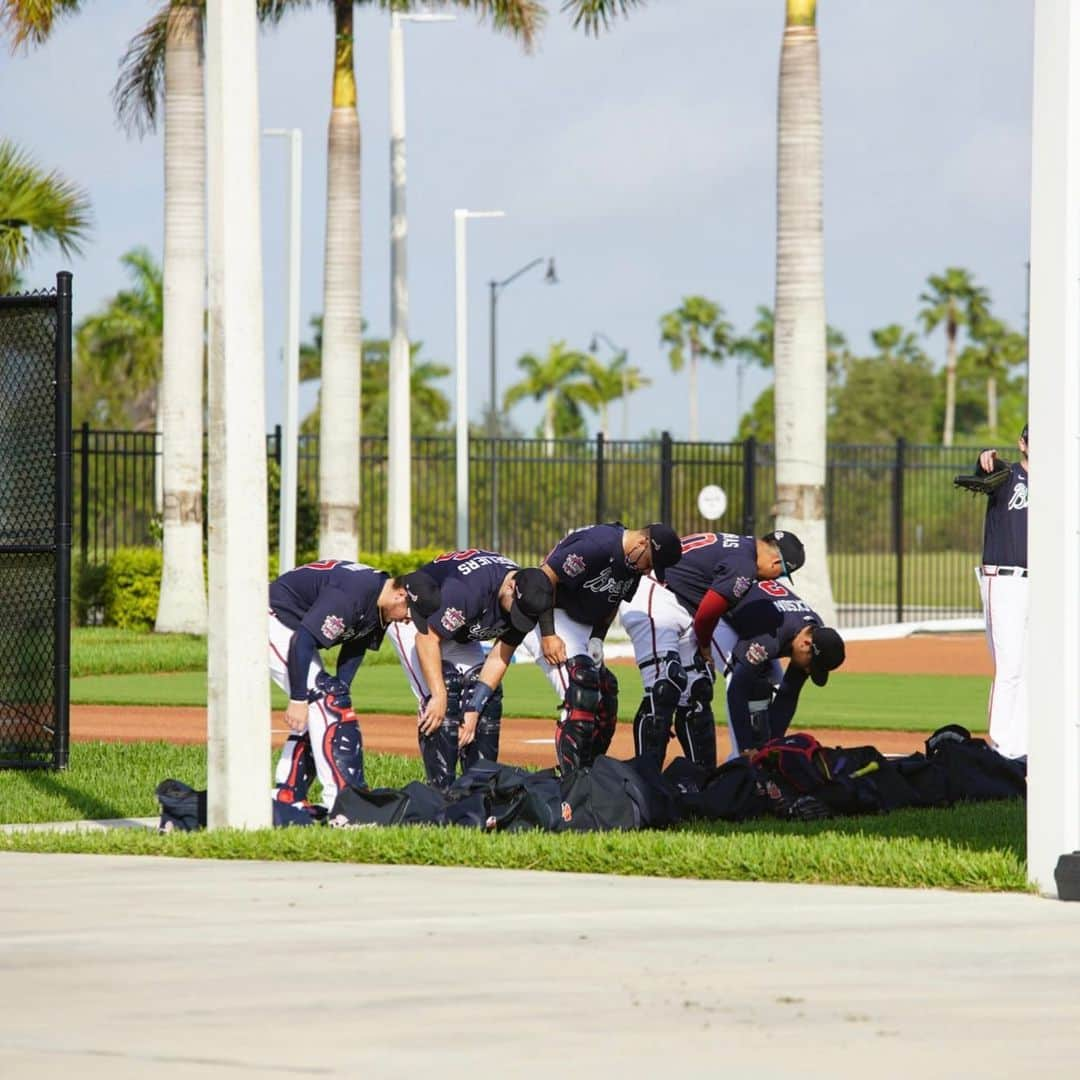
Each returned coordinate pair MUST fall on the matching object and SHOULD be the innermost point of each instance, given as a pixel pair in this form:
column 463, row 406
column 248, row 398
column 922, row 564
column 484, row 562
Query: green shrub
column 132, row 584
column 396, row 563
column 88, row 599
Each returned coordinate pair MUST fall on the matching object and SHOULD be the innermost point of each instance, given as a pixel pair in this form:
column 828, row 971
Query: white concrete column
column 239, row 690
column 1054, row 412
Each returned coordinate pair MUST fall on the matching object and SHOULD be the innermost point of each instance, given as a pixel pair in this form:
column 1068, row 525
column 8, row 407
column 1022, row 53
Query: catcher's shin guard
column 295, row 771
column 485, row 744
column 695, row 725
column 652, row 724
column 607, row 713
column 575, row 733
column 440, row 749
column 341, row 743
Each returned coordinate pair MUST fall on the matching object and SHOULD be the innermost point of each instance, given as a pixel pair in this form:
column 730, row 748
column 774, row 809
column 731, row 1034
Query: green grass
column 870, row 578
column 973, row 846
column 855, row 701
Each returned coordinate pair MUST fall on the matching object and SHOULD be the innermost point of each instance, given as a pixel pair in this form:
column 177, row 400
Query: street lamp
column 597, row 337
column 289, row 428
column 495, row 287
column 462, row 374
column 399, row 424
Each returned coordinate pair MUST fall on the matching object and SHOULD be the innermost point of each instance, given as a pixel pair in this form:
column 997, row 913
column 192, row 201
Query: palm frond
column 140, row 85
column 596, row 15
column 521, row 19
column 30, row 22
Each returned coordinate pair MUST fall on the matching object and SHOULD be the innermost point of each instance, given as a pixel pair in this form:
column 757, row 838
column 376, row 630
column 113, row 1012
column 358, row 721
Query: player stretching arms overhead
column 593, row 569
column 672, row 632
column 484, row 596
column 316, row 607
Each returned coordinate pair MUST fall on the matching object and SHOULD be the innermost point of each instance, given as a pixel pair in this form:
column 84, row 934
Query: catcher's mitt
column 984, row 483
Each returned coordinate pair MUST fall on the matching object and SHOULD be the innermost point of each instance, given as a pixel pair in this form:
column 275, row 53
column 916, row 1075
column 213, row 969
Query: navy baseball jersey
column 723, row 562
column 470, row 582
column 335, row 601
column 1005, row 527
column 770, row 615
column 593, row 574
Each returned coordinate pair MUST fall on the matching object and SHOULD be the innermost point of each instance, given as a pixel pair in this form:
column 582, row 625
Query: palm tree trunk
column 339, row 420
column 992, row 405
column 800, row 305
column 182, row 602
column 950, row 389
column 693, row 394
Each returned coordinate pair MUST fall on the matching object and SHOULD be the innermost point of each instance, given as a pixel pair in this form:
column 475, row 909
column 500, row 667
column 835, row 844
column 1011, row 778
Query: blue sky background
column 644, row 161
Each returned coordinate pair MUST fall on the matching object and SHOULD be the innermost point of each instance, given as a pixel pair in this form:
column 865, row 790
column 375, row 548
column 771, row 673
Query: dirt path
column 529, row 741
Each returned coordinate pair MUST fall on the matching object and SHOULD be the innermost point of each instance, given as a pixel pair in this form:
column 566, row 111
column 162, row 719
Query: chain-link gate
column 35, row 526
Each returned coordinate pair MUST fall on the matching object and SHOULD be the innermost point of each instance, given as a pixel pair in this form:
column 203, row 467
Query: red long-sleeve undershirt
column 712, row 606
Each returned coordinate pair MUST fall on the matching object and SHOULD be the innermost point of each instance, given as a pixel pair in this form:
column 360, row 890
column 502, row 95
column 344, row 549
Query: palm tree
column 800, row 334
column 556, row 379
column 696, row 327
column 118, row 351
column 163, row 65
column 36, row 208
column 29, row 22
column 995, row 348
column 955, row 300
column 611, row 382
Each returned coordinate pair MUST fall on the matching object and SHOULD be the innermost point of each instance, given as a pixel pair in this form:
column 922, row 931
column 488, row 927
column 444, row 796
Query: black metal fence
column 902, row 541
column 35, row 526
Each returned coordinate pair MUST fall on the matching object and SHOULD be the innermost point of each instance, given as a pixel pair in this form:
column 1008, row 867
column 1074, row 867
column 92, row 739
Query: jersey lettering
column 697, row 540
column 324, row 564
column 772, row 588
column 454, row 556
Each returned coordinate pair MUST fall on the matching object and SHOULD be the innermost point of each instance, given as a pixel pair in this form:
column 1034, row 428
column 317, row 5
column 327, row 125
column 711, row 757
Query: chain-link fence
column 35, row 526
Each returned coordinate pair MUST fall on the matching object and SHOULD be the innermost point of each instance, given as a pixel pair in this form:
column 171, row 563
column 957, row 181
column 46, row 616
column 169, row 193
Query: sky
column 643, row 161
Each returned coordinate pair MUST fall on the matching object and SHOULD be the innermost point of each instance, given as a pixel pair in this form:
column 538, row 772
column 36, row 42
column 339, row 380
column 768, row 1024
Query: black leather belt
column 1005, row 571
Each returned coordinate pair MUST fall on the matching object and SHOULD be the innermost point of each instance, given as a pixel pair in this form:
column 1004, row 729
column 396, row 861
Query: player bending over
column 484, row 596
column 672, row 629
column 771, row 622
column 315, row 607
column 593, row 569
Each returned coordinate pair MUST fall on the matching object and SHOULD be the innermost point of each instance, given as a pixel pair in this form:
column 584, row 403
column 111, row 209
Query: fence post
column 601, row 500
column 898, row 523
column 84, row 492
column 665, row 477
column 277, row 445
column 749, row 486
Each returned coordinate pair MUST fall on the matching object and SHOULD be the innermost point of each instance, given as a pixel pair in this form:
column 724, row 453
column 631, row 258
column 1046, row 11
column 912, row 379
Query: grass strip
column 976, row 846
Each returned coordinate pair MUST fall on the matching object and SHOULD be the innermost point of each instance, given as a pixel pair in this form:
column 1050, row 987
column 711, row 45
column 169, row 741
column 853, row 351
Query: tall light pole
column 399, row 424
column 599, row 336
column 496, row 287
column 290, row 429
column 462, row 374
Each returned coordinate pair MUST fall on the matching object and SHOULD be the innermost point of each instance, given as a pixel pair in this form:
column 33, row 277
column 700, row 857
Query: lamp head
column 549, row 275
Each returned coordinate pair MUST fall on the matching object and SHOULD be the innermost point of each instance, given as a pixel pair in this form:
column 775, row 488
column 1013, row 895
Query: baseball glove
column 983, row 483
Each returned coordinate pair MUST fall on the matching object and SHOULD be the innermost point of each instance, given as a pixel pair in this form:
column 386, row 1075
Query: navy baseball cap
column 792, row 552
column 666, row 548
column 424, row 595
column 826, row 653
column 1024, row 434
column 533, row 595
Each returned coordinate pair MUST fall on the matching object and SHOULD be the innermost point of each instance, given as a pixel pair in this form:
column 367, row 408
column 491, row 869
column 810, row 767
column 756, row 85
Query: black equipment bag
column 183, row 809
column 368, row 806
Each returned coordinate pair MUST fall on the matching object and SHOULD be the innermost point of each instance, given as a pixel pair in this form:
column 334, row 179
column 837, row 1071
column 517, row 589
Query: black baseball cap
column 666, row 547
column 826, row 653
column 792, row 552
column 533, row 595
column 425, row 597
column 1024, row 434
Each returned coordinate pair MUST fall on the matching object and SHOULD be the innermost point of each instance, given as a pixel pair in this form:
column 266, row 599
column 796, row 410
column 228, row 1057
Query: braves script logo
column 332, row 627
column 605, row 583
column 453, row 619
column 1019, row 498
column 573, row 565
column 740, row 586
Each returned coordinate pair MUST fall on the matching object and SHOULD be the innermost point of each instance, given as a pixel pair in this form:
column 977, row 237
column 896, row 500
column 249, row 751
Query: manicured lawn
column 900, row 702
column 978, row 846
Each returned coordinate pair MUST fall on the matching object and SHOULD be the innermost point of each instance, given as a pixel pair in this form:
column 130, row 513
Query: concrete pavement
column 121, row 967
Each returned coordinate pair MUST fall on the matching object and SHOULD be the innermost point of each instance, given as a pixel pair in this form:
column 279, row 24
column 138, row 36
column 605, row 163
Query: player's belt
column 1005, row 571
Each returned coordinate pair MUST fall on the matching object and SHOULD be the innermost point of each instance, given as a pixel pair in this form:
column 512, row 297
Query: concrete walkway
column 159, row 968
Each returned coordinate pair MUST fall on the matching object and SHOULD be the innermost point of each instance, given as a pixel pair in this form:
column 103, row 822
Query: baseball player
column 315, row 607
column 673, row 629
column 592, row 569
column 484, row 596
column 1003, row 585
column 770, row 622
